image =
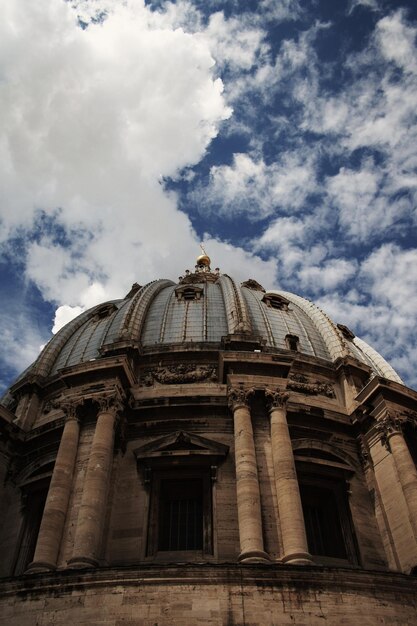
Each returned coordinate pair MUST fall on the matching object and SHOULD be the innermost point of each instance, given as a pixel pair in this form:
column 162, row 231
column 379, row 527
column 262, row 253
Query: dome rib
column 238, row 320
column 46, row 360
column 135, row 317
column 248, row 293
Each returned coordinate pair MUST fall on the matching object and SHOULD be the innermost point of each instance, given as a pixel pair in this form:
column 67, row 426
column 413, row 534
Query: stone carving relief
column 300, row 383
column 179, row 374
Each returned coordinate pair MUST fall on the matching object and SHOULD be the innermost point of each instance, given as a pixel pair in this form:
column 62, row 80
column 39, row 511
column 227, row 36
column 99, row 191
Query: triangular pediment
column 181, row 443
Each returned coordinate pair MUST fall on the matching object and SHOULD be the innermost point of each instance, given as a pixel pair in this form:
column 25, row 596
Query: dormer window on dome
column 292, row 342
column 188, row 292
column 275, row 301
column 105, row 311
column 346, row 332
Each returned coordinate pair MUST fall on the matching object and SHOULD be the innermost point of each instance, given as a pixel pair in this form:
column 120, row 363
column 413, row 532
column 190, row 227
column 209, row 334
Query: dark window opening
column 410, row 434
column 322, row 522
column 181, row 515
column 33, row 505
column 292, row 342
column 275, row 301
column 189, row 295
column 346, row 332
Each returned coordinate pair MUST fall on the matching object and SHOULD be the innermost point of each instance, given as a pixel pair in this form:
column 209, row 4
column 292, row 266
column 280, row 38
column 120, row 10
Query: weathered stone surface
column 215, row 595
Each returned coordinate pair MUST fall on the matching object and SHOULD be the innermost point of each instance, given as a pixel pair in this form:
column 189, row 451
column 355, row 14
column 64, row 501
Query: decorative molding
column 178, row 374
column 276, row 399
column 238, row 397
column 300, row 383
column 181, row 444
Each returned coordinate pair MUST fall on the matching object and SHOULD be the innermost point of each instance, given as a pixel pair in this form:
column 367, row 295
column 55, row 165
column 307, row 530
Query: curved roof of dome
column 163, row 313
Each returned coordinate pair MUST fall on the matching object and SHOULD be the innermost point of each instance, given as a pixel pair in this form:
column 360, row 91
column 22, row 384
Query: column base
column 37, row 567
column 298, row 558
column 253, row 556
column 82, row 562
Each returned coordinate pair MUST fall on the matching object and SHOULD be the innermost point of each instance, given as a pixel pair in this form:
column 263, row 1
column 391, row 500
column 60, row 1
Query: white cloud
column 382, row 310
column 397, row 41
column 65, row 314
column 249, row 186
column 391, row 276
column 370, row 4
column 332, row 274
column 91, row 121
column 21, row 340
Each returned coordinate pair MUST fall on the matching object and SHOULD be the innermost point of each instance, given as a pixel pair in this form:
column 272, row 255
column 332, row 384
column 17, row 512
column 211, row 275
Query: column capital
column 239, row 397
column 387, row 426
column 109, row 404
column 69, row 407
column 276, row 399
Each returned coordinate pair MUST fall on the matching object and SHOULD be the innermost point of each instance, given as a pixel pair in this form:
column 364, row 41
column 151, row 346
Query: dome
column 214, row 435
column 205, row 308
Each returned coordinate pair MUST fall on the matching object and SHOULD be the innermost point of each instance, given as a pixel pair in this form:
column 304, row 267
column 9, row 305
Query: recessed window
column 275, row 301
column 327, row 519
column 346, row 332
column 181, row 512
column 292, row 342
column 33, row 498
column 104, row 311
column 189, row 293
column 321, row 517
column 181, row 515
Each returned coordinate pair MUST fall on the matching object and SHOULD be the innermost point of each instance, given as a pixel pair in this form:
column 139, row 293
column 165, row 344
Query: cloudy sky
column 282, row 133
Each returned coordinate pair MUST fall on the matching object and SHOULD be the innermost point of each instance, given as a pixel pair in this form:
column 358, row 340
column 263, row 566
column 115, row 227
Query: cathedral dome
column 203, row 309
column 216, row 435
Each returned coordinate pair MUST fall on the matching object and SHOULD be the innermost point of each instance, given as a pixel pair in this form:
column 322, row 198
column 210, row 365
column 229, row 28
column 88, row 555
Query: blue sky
column 281, row 133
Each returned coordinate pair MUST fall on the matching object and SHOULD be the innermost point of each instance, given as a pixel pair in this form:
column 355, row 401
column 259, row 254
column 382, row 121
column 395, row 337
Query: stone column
column 391, row 436
column 88, row 535
column 247, row 483
column 290, row 510
column 56, row 506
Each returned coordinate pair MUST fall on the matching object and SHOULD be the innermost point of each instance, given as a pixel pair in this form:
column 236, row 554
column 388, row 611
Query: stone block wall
column 226, row 595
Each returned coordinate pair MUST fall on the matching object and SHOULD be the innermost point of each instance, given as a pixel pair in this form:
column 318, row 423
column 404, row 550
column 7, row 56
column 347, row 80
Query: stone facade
column 230, row 479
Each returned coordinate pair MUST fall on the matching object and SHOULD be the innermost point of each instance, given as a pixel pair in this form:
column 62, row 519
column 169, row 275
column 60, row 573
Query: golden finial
column 203, row 259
